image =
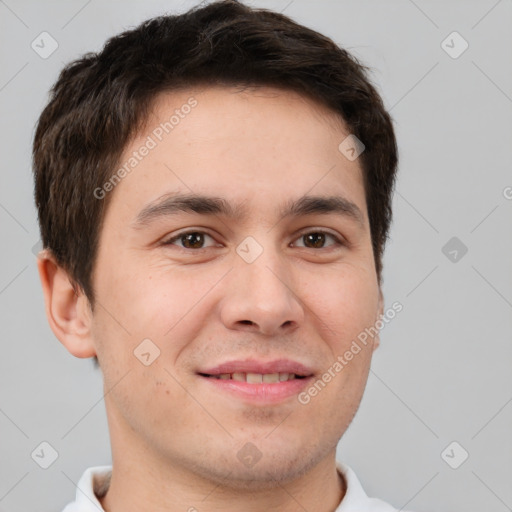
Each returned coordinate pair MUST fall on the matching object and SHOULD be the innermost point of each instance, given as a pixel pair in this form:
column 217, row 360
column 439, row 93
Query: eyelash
column 338, row 241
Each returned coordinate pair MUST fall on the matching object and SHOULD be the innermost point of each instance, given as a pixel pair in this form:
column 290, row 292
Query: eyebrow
column 172, row 204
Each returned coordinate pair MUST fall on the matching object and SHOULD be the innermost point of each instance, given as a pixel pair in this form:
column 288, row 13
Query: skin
column 174, row 437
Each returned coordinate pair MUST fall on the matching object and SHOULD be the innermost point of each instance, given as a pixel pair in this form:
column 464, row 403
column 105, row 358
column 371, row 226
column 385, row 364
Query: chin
column 265, row 470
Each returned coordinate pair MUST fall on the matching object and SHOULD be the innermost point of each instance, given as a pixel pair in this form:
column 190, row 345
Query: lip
column 256, row 366
column 266, row 392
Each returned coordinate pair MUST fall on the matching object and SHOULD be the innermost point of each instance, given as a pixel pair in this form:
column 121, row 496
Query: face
column 219, row 278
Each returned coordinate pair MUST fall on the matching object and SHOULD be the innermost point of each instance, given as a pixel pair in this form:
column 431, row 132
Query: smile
column 256, row 378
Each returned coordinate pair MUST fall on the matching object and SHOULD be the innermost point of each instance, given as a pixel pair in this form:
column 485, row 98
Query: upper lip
column 255, row 366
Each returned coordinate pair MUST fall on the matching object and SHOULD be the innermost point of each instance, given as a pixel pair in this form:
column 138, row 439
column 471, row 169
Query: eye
column 316, row 239
column 189, row 239
column 195, row 240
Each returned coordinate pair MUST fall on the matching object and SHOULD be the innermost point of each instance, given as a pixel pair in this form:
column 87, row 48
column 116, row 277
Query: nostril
column 246, row 322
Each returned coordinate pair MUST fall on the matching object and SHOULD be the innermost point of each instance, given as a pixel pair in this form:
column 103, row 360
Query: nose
column 260, row 297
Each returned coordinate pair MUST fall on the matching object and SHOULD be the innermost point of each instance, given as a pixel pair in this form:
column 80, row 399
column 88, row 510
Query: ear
column 68, row 312
column 380, row 312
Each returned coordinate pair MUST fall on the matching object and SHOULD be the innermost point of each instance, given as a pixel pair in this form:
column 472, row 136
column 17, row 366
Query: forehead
column 259, row 146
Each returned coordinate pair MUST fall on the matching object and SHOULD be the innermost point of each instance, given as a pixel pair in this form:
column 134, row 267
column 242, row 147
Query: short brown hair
column 102, row 99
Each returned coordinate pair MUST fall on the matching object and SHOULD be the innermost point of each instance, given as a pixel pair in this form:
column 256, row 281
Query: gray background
column 443, row 371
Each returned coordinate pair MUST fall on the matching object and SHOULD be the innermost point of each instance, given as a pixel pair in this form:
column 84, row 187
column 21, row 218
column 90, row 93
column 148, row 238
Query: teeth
column 256, row 378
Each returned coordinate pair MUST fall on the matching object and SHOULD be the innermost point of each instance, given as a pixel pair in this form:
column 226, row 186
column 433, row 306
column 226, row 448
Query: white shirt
column 355, row 499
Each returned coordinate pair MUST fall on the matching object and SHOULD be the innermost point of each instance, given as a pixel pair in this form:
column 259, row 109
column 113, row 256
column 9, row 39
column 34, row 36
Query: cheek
column 165, row 305
column 346, row 306
column 345, row 303
column 167, row 300
column 144, row 299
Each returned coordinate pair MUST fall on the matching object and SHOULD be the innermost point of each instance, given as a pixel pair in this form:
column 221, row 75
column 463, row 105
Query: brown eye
column 189, row 240
column 317, row 239
column 192, row 240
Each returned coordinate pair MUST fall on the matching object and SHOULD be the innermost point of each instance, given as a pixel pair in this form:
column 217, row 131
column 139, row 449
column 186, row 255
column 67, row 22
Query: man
column 214, row 196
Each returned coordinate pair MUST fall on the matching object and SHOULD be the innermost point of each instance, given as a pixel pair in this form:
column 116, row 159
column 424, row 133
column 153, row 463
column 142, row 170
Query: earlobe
column 67, row 311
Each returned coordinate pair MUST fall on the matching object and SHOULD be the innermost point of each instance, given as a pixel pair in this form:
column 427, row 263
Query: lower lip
column 267, row 392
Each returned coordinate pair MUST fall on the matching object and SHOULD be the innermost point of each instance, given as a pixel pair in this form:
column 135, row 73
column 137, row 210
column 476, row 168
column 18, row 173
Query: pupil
column 195, row 239
column 317, row 239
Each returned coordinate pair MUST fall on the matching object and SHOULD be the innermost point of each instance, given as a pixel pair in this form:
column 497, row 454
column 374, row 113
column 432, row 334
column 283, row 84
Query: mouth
column 257, row 381
column 255, row 378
